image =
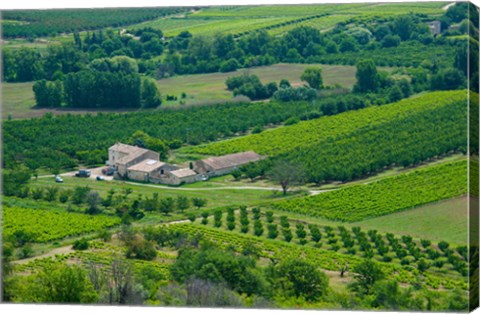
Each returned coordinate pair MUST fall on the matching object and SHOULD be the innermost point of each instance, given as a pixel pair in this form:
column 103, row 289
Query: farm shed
column 435, row 27
column 180, row 176
column 217, row 166
column 148, row 168
column 123, row 156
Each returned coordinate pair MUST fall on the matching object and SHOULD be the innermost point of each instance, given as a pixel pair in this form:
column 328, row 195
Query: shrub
column 442, row 245
column 81, row 244
column 272, row 231
column 287, row 234
column 192, row 217
column 258, row 228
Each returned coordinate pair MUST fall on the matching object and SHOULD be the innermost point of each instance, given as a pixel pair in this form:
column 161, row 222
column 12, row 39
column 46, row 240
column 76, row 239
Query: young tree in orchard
column 367, row 76
column 313, row 76
column 286, row 174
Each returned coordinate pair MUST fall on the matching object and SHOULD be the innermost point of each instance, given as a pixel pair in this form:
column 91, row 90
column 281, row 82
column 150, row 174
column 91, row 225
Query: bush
column 258, row 228
column 192, row 217
column 81, row 244
column 443, row 246
column 270, row 217
column 272, row 231
column 217, row 216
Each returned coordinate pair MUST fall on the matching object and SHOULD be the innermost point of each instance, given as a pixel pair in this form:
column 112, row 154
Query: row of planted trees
column 388, row 248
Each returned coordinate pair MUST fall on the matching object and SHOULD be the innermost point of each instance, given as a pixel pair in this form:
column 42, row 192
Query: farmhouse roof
column 232, row 160
column 147, row 165
column 131, row 152
column 183, row 173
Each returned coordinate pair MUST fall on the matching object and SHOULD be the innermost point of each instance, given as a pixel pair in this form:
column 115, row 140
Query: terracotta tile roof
column 182, row 173
column 147, row 165
column 232, row 160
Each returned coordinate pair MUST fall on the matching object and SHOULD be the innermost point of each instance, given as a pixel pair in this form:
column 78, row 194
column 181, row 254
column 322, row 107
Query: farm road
column 311, row 192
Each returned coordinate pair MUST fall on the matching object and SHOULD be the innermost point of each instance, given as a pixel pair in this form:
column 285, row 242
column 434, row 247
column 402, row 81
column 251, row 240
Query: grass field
column 446, row 220
column 201, row 88
column 18, row 99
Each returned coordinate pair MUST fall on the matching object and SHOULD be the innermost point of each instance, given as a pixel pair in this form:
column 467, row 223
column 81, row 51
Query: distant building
column 435, row 27
column 148, row 169
column 179, row 176
column 122, row 156
column 217, row 166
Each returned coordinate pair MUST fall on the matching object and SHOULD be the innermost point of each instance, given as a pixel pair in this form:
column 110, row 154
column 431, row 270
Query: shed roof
column 232, row 160
column 147, row 165
column 183, row 173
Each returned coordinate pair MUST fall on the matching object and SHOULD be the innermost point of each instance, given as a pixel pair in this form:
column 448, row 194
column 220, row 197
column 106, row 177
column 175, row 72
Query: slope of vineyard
column 357, row 143
column 47, row 225
column 384, row 196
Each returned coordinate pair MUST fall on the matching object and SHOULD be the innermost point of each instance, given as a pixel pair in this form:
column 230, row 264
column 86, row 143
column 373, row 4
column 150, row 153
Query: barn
column 217, row 166
column 122, row 156
column 180, row 176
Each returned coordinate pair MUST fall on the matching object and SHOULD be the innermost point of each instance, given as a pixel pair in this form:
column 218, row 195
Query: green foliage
column 219, row 266
column 182, row 203
column 81, row 244
column 48, row 94
column 367, row 76
column 58, row 283
column 250, row 86
column 15, row 179
column 313, row 76
column 151, row 97
column 291, row 279
column 199, row 202
column 366, row 275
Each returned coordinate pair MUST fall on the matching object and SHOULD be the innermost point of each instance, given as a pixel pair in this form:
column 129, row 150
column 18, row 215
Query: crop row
column 358, row 143
column 46, row 225
column 385, row 196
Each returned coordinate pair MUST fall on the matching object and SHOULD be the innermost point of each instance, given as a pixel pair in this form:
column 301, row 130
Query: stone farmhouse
column 143, row 165
column 123, row 156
